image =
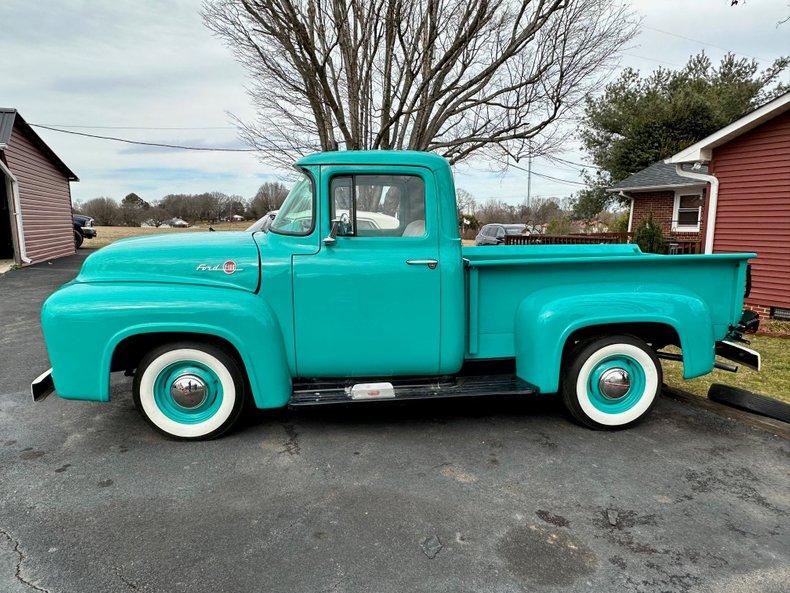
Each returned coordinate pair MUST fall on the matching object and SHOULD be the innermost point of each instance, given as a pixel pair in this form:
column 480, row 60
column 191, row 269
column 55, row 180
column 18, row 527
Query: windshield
column 295, row 216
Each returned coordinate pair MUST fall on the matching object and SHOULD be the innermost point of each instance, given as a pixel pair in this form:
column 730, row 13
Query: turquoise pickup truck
column 361, row 290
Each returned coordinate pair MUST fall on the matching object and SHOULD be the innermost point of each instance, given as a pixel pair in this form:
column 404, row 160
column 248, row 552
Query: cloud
column 152, row 63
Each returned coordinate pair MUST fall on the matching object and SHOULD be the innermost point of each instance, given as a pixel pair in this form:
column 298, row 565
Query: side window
column 378, row 205
column 500, row 232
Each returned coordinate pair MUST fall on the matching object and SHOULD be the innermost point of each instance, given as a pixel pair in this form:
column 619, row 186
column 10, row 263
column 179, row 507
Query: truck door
column 368, row 303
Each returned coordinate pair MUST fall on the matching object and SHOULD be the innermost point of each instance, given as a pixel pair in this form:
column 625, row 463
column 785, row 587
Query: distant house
column 35, row 195
column 673, row 201
column 729, row 192
column 175, row 222
column 592, row 225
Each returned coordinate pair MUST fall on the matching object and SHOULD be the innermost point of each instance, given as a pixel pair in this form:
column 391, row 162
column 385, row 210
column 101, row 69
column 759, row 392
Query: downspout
column 17, row 209
column 622, row 194
column 713, row 199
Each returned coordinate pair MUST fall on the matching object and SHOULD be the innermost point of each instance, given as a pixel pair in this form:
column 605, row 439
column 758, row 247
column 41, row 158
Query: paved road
column 358, row 498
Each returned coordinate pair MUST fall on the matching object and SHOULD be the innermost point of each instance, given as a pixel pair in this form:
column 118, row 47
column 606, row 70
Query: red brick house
column 35, row 195
column 675, row 202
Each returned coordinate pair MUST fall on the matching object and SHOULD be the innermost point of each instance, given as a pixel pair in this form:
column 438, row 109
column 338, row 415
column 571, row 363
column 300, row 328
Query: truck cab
column 372, row 291
column 361, row 290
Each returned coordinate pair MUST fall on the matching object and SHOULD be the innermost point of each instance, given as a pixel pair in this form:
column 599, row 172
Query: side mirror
column 330, row 238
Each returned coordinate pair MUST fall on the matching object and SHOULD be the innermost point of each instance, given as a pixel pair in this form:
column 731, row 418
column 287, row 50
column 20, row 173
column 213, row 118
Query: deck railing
column 674, row 245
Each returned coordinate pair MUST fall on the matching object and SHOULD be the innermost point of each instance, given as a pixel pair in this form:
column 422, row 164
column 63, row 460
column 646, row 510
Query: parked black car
column 494, row 233
column 83, row 229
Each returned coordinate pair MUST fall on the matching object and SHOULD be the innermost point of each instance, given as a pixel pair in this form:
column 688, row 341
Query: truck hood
column 221, row 259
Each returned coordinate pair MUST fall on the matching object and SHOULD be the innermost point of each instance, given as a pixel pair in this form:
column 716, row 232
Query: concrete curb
column 775, row 427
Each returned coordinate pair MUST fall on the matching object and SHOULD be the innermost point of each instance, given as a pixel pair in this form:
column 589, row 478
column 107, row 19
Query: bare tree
column 465, row 201
column 269, row 196
column 458, row 77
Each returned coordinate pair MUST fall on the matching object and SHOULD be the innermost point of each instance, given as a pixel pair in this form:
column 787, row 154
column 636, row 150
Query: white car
column 365, row 220
column 263, row 223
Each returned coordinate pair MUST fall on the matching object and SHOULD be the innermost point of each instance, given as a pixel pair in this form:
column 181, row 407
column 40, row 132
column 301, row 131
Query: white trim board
column 646, row 188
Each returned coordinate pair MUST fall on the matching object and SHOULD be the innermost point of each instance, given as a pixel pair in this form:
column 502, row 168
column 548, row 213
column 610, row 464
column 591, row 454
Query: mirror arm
column 330, row 238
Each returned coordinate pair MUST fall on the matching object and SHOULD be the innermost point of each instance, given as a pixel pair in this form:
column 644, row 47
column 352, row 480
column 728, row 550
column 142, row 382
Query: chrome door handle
column 431, row 263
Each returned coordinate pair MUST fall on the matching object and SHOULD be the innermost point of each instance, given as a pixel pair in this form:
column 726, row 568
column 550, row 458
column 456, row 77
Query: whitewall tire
column 611, row 382
column 189, row 390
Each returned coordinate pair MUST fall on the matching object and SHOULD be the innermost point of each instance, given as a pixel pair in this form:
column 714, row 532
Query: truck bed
column 503, row 278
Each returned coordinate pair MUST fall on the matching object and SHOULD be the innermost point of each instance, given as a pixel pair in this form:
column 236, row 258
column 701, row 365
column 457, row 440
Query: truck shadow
column 435, row 411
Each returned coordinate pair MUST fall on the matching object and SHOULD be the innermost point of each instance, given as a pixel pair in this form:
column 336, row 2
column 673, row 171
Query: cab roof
column 375, row 157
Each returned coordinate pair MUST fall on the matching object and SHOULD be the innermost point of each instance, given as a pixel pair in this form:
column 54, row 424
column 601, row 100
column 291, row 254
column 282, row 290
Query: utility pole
column 529, row 179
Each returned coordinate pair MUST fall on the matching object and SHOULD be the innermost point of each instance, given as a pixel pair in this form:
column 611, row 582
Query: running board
column 309, row 394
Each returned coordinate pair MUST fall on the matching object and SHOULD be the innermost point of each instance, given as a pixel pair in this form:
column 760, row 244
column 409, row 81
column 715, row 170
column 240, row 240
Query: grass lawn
column 773, row 380
column 108, row 234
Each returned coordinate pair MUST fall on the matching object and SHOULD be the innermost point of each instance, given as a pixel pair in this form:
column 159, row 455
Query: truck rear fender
column 546, row 320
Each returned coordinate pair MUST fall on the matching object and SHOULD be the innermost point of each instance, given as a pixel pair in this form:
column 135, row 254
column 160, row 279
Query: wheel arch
column 656, row 334
column 264, row 379
column 546, row 328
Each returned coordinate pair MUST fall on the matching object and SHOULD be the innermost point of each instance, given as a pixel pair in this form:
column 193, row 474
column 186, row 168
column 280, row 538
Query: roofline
column 653, row 187
column 43, row 146
column 702, row 151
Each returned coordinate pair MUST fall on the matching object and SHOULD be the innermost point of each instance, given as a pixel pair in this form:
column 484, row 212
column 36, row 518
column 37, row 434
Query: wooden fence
column 674, row 245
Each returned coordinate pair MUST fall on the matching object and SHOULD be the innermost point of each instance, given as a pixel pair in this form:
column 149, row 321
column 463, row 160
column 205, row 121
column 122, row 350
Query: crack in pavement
column 18, row 568
column 132, row 585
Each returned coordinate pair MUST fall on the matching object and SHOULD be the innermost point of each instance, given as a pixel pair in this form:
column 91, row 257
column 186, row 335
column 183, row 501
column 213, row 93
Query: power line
column 582, row 165
column 143, row 143
column 136, row 127
column 654, row 60
column 545, row 176
column 679, row 36
column 557, row 179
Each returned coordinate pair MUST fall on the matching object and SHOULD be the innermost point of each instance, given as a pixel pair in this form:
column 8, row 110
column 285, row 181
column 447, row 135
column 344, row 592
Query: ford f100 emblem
column 229, row 267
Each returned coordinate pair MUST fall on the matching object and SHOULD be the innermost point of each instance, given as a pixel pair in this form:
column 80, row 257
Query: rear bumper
column 737, row 353
column 42, row 386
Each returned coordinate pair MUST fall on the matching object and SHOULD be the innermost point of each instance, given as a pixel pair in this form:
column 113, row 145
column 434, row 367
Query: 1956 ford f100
column 330, row 306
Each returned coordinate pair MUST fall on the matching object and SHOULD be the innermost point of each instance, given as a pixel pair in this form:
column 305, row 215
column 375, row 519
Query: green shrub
column 649, row 236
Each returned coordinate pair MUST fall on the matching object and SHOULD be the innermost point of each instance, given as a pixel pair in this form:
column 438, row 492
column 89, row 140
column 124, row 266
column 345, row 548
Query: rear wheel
column 611, row 382
column 78, row 239
column 189, row 390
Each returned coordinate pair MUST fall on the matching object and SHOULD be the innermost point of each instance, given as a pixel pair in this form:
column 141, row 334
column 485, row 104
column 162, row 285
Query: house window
column 687, row 212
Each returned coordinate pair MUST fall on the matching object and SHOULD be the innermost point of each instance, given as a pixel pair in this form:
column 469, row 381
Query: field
column 773, row 380
column 108, row 234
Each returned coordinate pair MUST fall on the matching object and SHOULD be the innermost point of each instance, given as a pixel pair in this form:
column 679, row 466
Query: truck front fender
column 546, row 319
column 83, row 324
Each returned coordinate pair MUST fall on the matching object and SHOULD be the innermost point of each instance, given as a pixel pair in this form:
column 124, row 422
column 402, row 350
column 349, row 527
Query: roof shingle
column 657, row 175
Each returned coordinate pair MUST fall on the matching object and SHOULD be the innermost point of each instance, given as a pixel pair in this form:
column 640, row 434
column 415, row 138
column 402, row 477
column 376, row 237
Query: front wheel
column 189, row 390
column 611, row 382
column 78, row 238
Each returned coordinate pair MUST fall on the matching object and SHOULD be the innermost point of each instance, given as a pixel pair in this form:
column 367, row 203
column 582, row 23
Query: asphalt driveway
column 486, row 495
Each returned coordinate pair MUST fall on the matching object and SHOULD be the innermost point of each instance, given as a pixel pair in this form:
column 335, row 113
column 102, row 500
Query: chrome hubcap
column 188, row 391
column 614, row 383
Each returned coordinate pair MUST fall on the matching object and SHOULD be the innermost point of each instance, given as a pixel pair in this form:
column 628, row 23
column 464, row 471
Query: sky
column 150, row 70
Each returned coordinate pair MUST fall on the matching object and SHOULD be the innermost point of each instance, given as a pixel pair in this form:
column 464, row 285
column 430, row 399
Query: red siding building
column 747, row 206
column 35, row 196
